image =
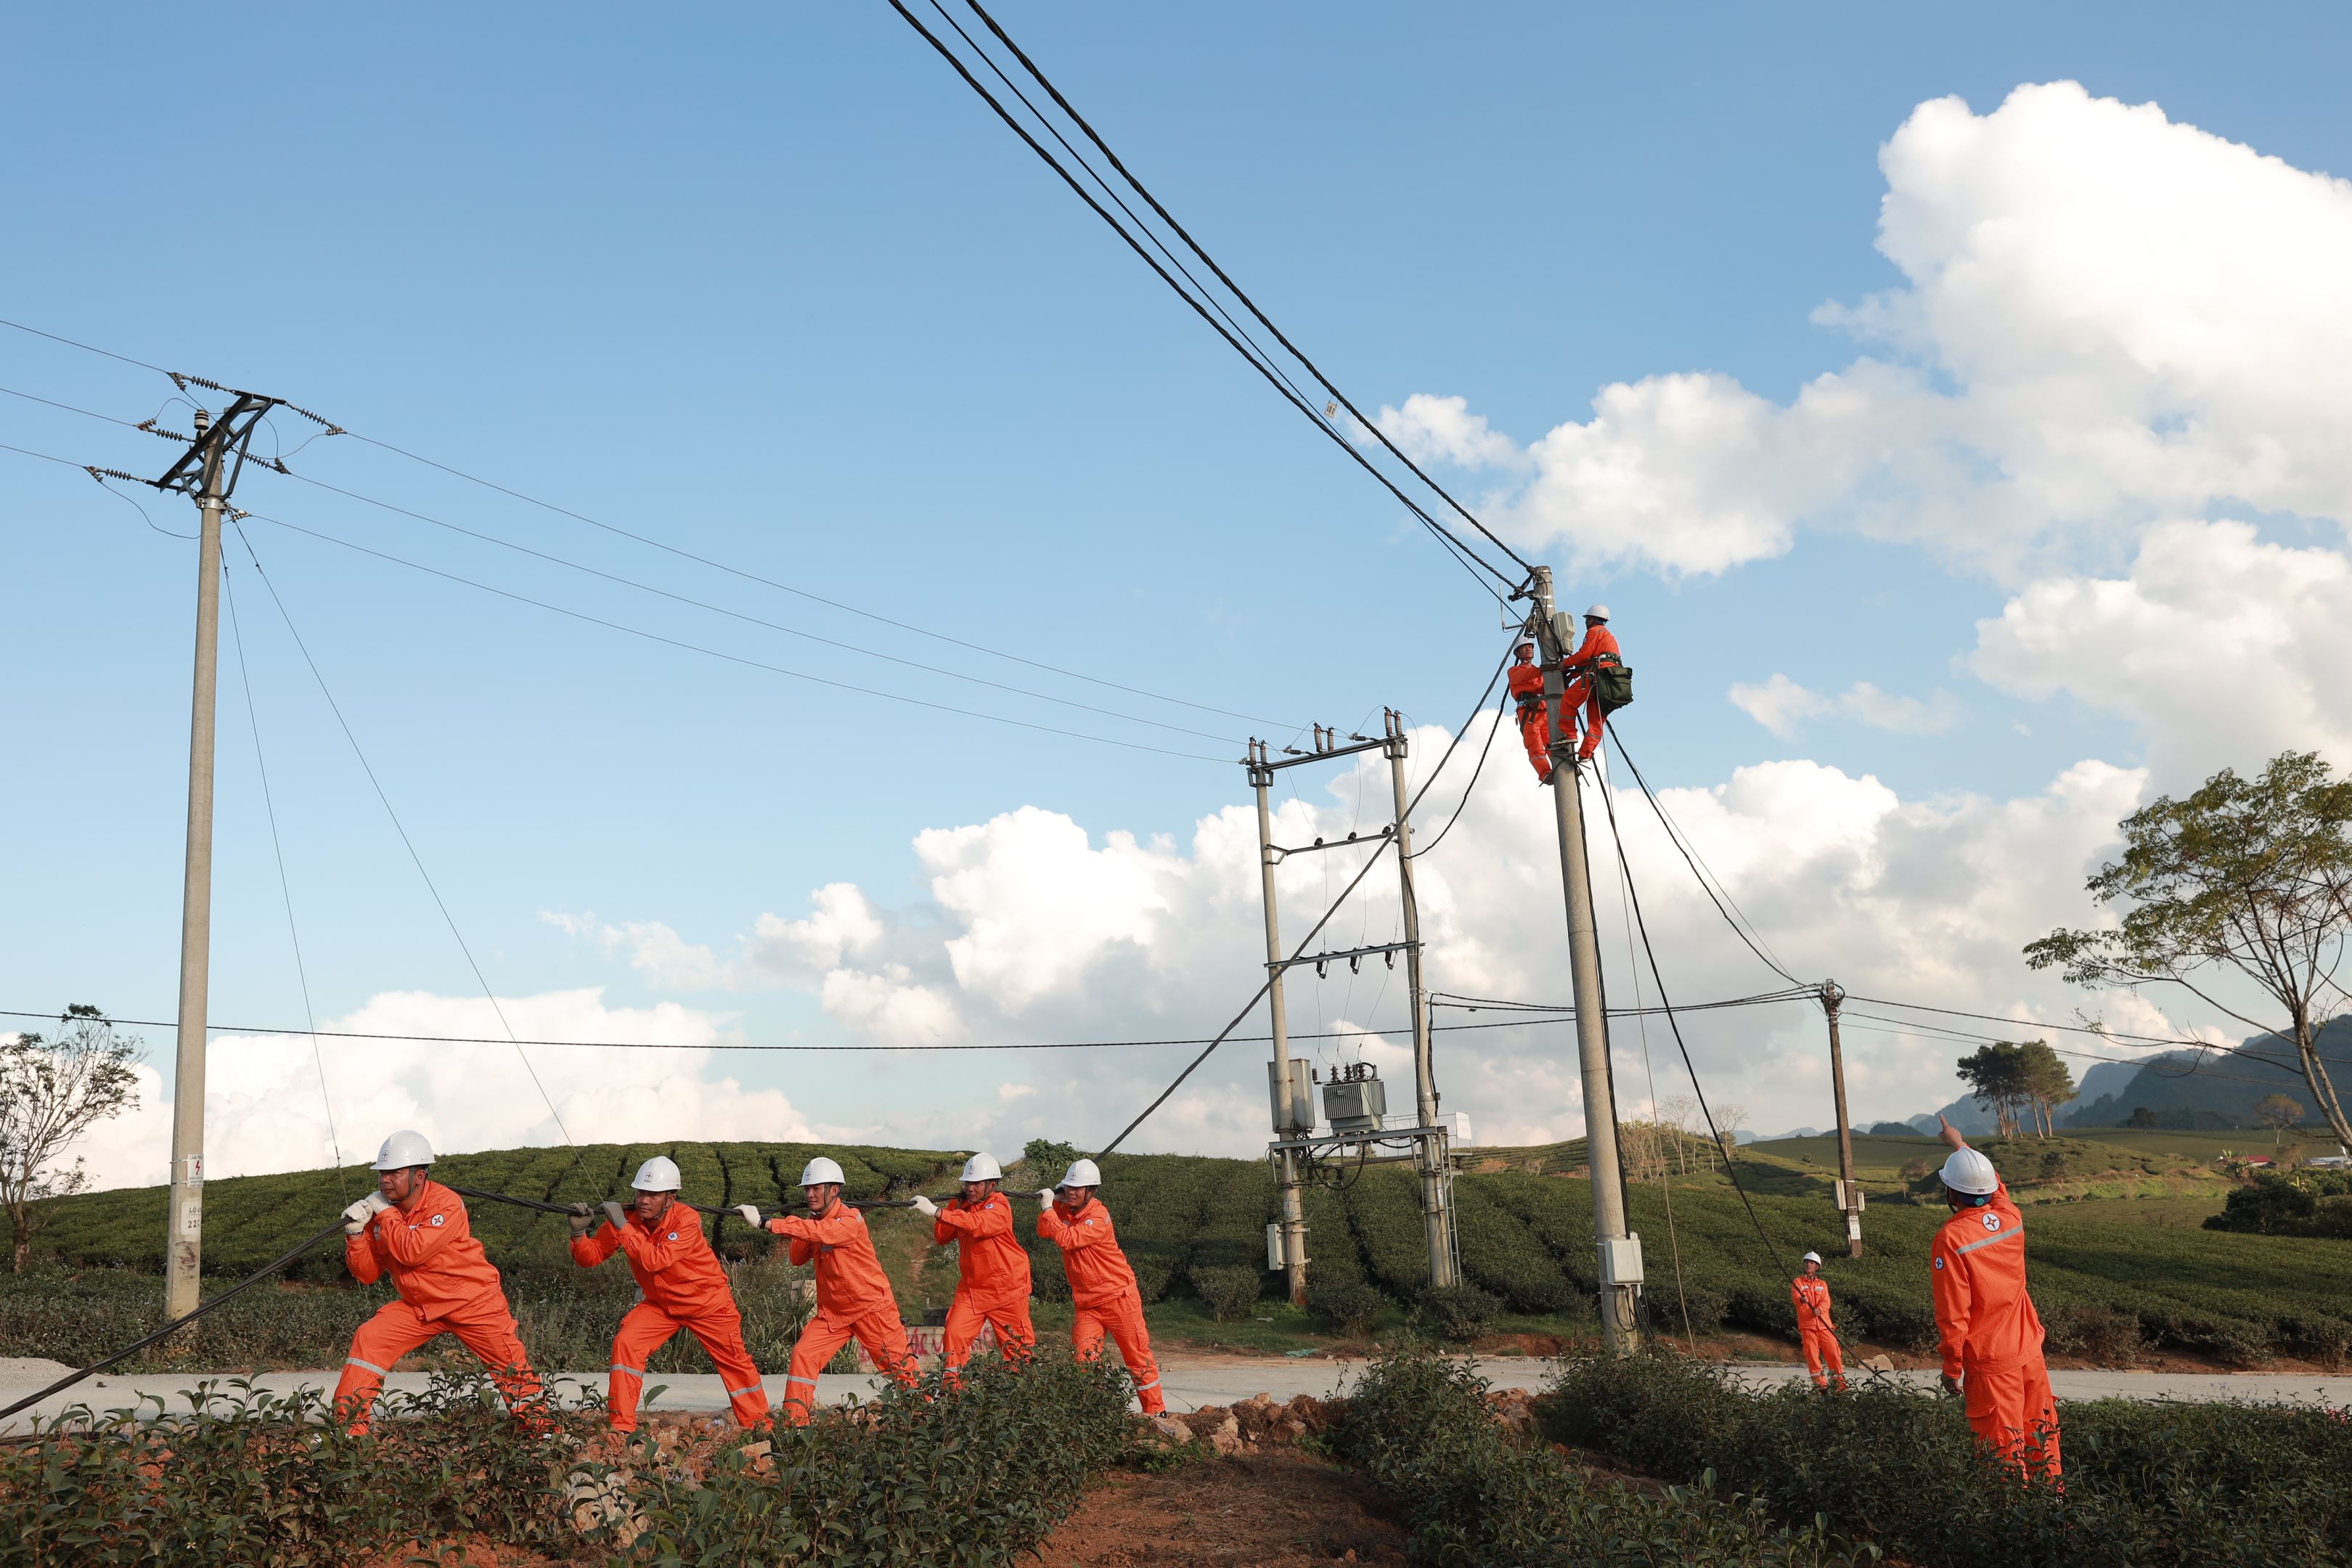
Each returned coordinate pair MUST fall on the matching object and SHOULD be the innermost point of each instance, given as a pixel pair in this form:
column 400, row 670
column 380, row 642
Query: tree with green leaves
column 2047, row 1081
column 1996, row 1077
column 2281, row 1113
column 2245, row 879
column 52, row 1092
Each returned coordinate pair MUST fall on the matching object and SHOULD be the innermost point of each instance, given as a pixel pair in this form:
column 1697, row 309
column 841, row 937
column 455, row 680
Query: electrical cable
column 176, row 1324
column 1524, row 1023
column 294, row 933
column 1181, row 233
column 1303, row 407
column 1730, row 1166
column 654, row 544
column 717, row 654
column 407, row 842
column 750, row 619
column 1688, row 859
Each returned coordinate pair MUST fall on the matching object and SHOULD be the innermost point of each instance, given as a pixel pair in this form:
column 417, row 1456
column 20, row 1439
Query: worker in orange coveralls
column 1809, row 1294
column 1990, row 1333
column 1102, row 1284
column 417, row 1229
column 1535, row 726
column 853, row 1295
column 683, row 1286
column 1598, row 647
column 991, row 1267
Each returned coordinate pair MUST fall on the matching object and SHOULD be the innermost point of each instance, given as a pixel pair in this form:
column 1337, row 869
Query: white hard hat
column 1596, row 612
column 1081, row 1173
column 819, row 1170
column 982, row 1168
column 1812, row 1257
column 402, row 1150
column 658, row 1174
column 1969, row 1171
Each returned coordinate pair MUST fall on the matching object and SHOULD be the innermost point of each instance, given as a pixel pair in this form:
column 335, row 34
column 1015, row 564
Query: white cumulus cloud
column 1781, row 705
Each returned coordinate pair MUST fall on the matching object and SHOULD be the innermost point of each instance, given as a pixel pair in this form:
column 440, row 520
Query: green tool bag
column 1612, row 686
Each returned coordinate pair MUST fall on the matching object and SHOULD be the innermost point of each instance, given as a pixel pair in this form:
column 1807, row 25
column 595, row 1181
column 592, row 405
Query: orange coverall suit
column 1991, row 1334
column 992, row 1278
column 1598, row 641
column 684, row 1287
column 447, row 1285
column 1535, row 727
column 1103, row 1289
column 1811, row 1297
column 853, row 1298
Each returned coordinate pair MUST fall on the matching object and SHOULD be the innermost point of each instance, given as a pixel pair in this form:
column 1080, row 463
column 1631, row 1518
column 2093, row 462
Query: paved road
column 1189, row 1384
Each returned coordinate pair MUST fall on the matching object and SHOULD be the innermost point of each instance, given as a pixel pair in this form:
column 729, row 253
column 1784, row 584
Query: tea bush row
column 1419, row 1426
column 2147, row 1485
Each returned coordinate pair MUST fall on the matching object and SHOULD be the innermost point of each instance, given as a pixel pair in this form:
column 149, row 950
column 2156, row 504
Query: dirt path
column 1274, row 1510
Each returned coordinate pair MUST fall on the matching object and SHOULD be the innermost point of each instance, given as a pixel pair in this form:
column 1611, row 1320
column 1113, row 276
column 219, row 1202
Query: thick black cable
column 1676, row 839
column 293, row 933
column 414, row 856
column 1303, row 407
column 930, row 669
column 1449, row 756
column 176, row 1324
column 1251, row 1005
column 894, row 697
column 1181, row 233
column 1730, row 1163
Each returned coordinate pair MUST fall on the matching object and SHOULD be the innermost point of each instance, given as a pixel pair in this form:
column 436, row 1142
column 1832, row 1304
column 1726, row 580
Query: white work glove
column 1045, row 1198
column 750, row 1212
column 355, row 1218
column 925, row 1207
column 617, row 1214
column 583, row 1217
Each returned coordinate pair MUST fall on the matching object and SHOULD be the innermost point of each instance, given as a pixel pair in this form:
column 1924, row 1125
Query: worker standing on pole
column 418, row 1230
column 1989, row 1334
column 854, row 1299
column 1598, row 647
column 1527, row 680
column 991, row 1267
column 1809, row 1294
column 684, row 1287
column 1102, row 1283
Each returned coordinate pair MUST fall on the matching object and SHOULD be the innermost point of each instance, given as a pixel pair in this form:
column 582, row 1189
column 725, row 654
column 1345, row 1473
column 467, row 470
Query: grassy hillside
column 2110, row 1275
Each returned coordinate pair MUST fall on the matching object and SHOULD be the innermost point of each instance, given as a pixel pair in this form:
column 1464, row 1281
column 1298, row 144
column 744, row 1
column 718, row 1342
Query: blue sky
column 770, row 285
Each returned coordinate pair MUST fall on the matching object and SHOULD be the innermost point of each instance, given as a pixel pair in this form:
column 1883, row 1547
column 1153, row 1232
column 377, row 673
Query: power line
column 1690, row 859
column 747, row 619
column 1181, row 233
column 407, row 842
column 1288, row 396
column 810, row 1048
column 1465, row 801
column 719, row 654
column 654, row 544
column 293, row 931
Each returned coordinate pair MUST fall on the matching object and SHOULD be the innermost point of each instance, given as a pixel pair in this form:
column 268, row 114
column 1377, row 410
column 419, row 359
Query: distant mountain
column 1793, row 1132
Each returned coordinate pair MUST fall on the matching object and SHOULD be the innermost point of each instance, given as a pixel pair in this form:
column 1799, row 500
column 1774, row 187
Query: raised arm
column 1949, row 1134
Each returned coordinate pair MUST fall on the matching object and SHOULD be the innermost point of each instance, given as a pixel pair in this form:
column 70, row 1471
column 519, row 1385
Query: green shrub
column 1348, row 1305
column 1229, row 1293
column 924, row 1475
column 1419, row 1427
column 1456, row 1313
column 2147, row 1486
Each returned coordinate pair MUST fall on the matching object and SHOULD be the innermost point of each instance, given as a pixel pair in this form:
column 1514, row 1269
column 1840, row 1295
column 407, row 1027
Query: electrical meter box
column 1355, row 1100
column 1274, row 1264
column 1620, row 1261
column 1850, row 1200
column 1290, row 1090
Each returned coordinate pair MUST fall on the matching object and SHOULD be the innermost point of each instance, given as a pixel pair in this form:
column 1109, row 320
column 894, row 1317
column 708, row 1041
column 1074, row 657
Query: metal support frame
column 1293, row 1148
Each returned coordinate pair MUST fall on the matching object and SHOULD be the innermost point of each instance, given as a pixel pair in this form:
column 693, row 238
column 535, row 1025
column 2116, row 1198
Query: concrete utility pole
column 1436, row 1169
column 1282, row 1073
column 204, row 472
column 1849, row 1195
column 1619, row 1250
column 183, row 1250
